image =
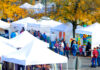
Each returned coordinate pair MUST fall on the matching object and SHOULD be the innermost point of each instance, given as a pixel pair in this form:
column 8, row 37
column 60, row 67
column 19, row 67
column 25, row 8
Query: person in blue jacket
column 13, row 34
column 74, row 48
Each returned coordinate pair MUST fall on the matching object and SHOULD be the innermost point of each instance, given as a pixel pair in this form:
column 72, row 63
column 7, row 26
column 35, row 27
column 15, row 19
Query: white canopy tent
column 5, row 26
column 51, row 7
column 34, row 54
column 92, row 30
column 38, row 8
column 26, row 6
column 17, row 25
column 23, row 39
column 46, row 25
column 5, row 49
column 67, row 28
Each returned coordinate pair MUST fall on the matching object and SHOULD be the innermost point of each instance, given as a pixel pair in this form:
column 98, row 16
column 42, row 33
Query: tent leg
column 1, row 66
column 14, row 67
column 67, row 66
column 25, row 68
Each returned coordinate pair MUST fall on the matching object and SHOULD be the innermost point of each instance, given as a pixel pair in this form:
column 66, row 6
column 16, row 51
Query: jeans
column 67, row 53
column 94, row 62
column 98, row 59
column 74, row 52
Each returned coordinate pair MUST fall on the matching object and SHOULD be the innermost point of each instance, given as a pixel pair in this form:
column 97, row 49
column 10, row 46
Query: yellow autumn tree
column 86, row 11
column 10, row 9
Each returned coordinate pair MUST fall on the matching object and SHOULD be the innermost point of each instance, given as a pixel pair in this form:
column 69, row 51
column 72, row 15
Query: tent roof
column 48, row 23
column 25, row 20
column 62, row 27
column 89, row 29
column 51, row 5
column 26, row 6
column 5, row 49
column 25, row 38
column 4, row 25
column 38, row 6
column 34, row 54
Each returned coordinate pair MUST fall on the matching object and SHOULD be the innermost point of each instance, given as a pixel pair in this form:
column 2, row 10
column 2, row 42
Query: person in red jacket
column 67, row 50
column 94, row 58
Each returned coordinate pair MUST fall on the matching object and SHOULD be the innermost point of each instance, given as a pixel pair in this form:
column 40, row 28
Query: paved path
column 85, row 64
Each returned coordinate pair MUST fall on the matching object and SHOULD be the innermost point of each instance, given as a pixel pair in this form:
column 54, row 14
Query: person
column 67, row 50
column 61, row 50
column 44, row 36
column 94, row 58
column 22, row 30
column 88, row 47
column 52, row 39
column 56, row 47
column 72, row 44
column 83, row 50
column 74, row 48
column 98, row 59
column 13, row 34
column 64, row 43
column 80, row 50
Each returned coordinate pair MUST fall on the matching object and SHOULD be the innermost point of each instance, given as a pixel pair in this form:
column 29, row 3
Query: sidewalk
column 84, row 63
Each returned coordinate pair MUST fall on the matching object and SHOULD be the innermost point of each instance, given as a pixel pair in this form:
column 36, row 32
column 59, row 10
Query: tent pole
column 25, row 67
column 1, row 63
column 67, row 66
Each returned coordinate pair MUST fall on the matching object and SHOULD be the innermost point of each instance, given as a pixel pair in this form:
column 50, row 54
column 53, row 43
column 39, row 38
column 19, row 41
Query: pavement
column 71, row 64
column 84, row 63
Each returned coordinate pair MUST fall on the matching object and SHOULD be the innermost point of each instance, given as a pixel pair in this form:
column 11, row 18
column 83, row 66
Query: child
column 80, row 49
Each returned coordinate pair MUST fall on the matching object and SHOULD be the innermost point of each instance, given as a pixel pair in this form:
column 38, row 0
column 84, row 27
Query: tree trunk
column 74, row 27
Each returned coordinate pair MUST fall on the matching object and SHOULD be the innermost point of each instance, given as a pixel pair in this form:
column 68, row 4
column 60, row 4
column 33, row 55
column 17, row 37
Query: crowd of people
column 96, row 57
column 63, row 48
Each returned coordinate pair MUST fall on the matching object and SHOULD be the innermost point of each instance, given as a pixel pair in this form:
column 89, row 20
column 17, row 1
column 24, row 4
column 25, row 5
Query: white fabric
column 5, row 49
column 35, row 54
column 46, row 25
column 4, row 25
column 53, row 37
column 62, row 27
column 27, row 23
column 23, row 39
column 92, row 30
column 51, row 5
column 67, row 28
column 38, row 6
column 26, row 6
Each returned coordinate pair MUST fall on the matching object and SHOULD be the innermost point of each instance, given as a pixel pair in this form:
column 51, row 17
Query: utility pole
column 45, row 7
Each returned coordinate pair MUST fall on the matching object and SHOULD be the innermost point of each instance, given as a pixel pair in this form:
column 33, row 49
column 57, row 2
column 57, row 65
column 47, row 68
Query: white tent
column 67, row 28
column 4, row 25
column 38, row 8
column 34, row 54
column 92, row 30
column 51, row 7
column 46, row 25
column 25, row 38
column 26, row 6
column 17, row 25
column 5, row 49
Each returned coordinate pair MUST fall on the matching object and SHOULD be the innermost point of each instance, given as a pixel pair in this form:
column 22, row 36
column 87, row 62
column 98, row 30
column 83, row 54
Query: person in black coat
column 88, row 47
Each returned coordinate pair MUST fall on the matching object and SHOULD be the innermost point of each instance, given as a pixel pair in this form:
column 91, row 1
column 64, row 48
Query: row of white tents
column 33, row 51
column 38, row 8
column 44, row 26
column 49, row 26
